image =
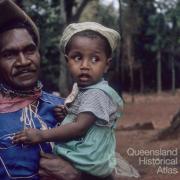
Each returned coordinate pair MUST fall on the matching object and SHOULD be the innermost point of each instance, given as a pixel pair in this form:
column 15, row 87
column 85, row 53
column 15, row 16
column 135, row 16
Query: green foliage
column 90, row 12
column 108, row 16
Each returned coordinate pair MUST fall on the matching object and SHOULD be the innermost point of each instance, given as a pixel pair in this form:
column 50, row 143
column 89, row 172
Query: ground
column 158, row 110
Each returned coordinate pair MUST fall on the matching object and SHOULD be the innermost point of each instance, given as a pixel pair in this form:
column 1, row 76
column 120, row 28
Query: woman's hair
column 19, row 25
column 93, row 35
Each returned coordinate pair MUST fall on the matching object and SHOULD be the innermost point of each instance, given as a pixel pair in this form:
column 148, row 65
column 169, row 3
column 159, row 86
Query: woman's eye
column 30, row 50
column 8, row 55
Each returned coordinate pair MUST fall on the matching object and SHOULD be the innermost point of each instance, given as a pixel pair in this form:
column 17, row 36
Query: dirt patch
column 159, row 110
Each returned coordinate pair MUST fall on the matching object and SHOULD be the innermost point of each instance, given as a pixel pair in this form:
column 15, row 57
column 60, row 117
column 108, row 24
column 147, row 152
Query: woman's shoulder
column 51, row 98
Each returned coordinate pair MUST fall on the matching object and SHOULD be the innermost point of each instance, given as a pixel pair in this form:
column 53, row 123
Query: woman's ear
column 108, row 62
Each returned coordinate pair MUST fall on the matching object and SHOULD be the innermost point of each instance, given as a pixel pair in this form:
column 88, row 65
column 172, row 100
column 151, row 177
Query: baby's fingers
column 19, row 138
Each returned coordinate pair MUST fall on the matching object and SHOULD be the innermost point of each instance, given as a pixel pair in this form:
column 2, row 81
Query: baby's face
column 87, row 60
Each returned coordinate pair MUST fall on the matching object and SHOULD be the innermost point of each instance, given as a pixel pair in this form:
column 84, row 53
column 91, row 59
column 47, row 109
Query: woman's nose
column 22, row 60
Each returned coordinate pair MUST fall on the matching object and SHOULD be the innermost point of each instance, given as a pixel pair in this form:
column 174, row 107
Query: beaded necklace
column 8, row 92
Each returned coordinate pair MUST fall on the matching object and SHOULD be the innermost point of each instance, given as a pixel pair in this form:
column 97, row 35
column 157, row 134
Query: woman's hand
column 60, row 112
column 55, row 168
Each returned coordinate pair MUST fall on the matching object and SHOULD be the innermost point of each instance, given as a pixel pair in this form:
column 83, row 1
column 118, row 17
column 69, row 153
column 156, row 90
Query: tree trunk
column 132, row 81
column 173, row 83
column 131, row 64
column 159, row 73
column 141, row 79
column 79, row 10
column 63, row 73
column 120, row 48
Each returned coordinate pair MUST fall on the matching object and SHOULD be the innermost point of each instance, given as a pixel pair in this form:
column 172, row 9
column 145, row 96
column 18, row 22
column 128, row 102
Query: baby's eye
column 77, row 58
column 94, row 59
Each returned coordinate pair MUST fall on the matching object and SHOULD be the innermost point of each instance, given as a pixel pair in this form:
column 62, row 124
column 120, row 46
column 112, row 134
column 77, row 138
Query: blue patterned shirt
column 22, row 161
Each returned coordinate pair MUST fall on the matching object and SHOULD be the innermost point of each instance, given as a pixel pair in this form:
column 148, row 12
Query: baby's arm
column 61, row 133
column 71, row 130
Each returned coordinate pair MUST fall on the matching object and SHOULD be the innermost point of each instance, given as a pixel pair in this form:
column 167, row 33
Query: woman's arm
column 54, row 167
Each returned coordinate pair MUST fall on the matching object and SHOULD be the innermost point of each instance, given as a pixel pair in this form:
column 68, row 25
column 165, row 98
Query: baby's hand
column 60, row 112
column 28, row 136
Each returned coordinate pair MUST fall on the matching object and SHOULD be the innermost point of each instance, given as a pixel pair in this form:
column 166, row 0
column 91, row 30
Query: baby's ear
column 66, row 57
column 108, row 62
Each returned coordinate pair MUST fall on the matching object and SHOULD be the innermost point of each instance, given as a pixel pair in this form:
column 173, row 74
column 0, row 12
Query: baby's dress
column 95, row 152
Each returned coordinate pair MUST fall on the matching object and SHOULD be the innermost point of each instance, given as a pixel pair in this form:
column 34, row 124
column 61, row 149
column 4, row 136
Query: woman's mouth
column 24, row 72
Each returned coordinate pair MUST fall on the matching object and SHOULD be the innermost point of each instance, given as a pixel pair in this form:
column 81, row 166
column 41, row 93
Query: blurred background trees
column 148, row 57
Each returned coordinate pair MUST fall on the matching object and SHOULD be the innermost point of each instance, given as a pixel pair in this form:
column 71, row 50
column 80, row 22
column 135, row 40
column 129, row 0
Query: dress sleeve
column 99, row 103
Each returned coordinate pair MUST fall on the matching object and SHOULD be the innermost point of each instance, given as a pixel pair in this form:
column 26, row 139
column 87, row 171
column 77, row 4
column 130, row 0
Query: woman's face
column 19, row 59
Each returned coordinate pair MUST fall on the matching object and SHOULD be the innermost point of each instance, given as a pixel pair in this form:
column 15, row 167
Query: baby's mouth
column 84, row 77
